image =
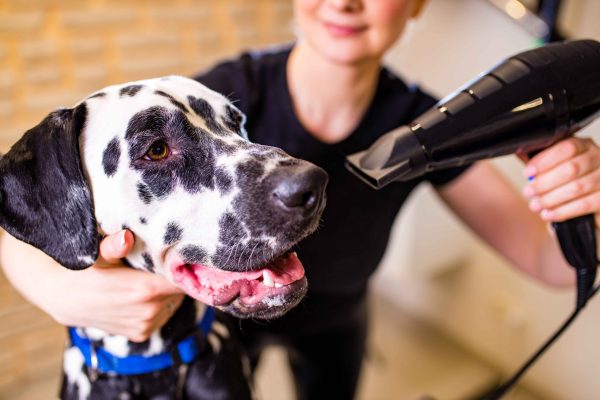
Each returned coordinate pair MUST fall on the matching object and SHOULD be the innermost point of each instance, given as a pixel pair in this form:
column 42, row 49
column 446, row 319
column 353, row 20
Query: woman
column 326, row 97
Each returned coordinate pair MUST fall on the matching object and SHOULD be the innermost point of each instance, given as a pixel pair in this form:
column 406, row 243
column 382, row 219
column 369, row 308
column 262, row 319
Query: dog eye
column 157, row 151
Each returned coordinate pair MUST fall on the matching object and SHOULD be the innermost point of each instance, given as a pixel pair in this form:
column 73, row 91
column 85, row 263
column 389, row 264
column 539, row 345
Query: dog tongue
column 218, row 287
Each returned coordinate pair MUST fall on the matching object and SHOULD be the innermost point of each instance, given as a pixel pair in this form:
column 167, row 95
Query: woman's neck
column 329, row 99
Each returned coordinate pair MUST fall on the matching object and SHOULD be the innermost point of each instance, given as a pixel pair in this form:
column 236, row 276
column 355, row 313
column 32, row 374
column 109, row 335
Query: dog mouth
column 266, row 292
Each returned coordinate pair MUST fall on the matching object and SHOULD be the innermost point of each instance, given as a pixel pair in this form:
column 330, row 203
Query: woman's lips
column 343, row 31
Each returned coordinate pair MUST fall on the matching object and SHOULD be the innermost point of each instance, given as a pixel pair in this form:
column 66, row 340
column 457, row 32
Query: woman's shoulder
column 397, row 85
column 401, row 100
column 241, row 76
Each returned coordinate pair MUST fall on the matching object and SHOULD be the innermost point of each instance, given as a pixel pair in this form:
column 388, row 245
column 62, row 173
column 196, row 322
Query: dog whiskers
column 240, row 258
column 254, row 248
column 231, row 252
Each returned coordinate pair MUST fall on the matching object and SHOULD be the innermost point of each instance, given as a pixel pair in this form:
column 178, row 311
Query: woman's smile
column 343, row 30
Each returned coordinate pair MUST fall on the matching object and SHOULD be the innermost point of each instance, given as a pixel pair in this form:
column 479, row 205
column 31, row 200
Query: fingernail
column 530, row 172
column 547, row 215
column 535, row 206
column 123, row 240
column 528, row 191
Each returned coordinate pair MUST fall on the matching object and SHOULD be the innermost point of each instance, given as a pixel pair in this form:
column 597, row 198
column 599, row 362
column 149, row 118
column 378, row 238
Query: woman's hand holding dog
column 109, row 296
column 136, row 302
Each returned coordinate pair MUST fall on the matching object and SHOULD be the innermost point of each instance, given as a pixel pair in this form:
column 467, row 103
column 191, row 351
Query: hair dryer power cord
column 502, row 389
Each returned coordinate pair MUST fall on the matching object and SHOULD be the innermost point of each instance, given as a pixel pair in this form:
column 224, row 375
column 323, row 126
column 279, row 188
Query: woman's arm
column 566, row 184
column 492, row 208
column 108, row 295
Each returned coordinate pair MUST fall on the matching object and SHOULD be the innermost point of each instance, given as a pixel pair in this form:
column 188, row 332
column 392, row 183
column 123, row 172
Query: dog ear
column 44, row 197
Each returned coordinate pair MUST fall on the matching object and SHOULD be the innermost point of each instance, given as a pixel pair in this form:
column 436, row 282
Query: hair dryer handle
column 577, row 238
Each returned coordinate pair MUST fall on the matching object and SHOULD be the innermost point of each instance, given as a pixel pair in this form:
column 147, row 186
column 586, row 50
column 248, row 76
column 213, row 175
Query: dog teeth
column 278, row 285
column 267, row 280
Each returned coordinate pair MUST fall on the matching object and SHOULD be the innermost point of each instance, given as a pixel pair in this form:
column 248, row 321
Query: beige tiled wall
column 30, row 348
column 53, row 53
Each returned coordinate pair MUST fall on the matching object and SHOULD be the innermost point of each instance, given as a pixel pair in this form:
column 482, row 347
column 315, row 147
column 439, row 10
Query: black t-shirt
column 349, row 244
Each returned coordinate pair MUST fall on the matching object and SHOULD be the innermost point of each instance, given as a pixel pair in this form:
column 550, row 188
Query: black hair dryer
column 525, row 104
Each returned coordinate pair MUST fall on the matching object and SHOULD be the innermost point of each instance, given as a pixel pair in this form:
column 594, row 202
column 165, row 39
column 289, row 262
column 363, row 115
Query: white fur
column 73, row 367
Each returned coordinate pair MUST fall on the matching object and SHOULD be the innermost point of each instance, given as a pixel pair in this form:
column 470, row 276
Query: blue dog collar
column 102, row 361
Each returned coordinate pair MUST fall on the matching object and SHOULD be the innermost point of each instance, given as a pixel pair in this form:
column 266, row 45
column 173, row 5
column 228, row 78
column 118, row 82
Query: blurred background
column 450, row 319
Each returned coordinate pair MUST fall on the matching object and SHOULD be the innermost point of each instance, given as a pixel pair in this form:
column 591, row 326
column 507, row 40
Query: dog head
column 168, row 159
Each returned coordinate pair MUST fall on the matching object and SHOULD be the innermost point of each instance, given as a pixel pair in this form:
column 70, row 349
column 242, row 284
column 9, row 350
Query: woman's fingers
column 582, row 206
column 169, row 306
column 565, row 180
column 562, row 174
column 116, row 246
column 557, row 154
column 568, row 192
column 153, row 287
column 138, row 302
column 137, row 321
column 151, row 317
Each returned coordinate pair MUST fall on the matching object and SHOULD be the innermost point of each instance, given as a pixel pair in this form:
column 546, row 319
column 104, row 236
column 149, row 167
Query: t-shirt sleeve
column 442, row 177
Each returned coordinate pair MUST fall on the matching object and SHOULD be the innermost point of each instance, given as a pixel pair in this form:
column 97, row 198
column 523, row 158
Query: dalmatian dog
column 214, row 214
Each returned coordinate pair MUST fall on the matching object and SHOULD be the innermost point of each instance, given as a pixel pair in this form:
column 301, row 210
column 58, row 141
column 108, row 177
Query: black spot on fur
column 99, row 94
column 261, row 157
column 231, row 230
column 206, row 112
column 125, row 226
column 262, row 218
column 70, row 389
column 173, row 233
column 180, row 325
column 191, row 162
column 130, row 90
column 264, row 153
column 160, row 184
column 229, row 254
column 144, row 193
column 288, row 162
column 233, row 119
column 110, row 157
column 143, row 221
column 148, row 263
column 222, row 147
column 250, row 171
column 173, row 101
column 138, row 347
column 253, row 254
column 46, row 198
column 223, row 181
column 192, row 254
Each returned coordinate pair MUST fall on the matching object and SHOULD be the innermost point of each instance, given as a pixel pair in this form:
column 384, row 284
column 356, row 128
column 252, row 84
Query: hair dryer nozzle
column 376, row 178
column 395, row 156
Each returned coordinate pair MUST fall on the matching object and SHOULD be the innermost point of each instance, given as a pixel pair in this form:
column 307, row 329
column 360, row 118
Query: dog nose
column 299, row 188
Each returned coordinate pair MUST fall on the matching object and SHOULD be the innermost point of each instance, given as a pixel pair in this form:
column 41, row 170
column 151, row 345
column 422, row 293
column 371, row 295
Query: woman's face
column 351, row 31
